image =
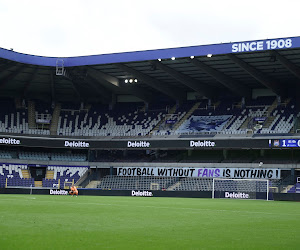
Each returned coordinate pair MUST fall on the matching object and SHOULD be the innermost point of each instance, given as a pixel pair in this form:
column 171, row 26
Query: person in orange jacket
column 73, row 191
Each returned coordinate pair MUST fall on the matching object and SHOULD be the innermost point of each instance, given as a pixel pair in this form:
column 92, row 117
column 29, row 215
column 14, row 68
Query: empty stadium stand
column 264, row 115
column 12, row 175
column 138, row 182
column 64, row 175
column 124, row 120
column 18, row 175
column 179, row 184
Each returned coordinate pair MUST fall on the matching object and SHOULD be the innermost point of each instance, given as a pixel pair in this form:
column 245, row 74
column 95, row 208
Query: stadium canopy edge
column 182, row 52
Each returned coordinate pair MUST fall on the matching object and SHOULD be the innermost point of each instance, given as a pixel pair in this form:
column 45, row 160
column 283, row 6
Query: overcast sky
column 62, row 28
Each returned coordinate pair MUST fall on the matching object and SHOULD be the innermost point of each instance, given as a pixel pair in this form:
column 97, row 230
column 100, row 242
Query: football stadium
column 182, row 148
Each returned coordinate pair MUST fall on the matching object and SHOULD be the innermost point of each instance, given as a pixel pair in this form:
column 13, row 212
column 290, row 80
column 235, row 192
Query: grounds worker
column 73, row 191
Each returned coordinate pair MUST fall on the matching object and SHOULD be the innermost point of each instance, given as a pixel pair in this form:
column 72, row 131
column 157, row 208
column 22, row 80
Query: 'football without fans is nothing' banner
column 246, row 173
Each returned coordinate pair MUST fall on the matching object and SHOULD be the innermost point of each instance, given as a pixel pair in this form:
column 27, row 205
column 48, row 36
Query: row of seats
column 295, row 188
column 184, row 184
column 127, row 123
column 206, row 119
column 129, row 119
column 11, row 175
column 139, row 183
column 64, row 174
column 18, row 123
column 41, row 156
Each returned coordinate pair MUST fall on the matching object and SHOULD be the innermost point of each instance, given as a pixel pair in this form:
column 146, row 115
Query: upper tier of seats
column 264, row 115
column 124, row 120
column 15, row 120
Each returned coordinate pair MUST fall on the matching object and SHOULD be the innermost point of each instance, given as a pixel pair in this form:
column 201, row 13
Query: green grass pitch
column 94, row 222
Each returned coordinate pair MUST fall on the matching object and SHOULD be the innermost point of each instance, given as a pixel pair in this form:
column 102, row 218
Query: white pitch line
column 157, row 207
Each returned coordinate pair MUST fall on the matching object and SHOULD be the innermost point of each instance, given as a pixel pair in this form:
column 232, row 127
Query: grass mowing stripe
column 63, row 222
column 161, row 207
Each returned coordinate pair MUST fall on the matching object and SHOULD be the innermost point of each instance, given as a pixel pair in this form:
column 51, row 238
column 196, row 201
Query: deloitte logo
column 138, row 144
column 236, row 195
column 202, row 144
column 77, row 144
column 10, row 141
column 141, row 193
column 58, row 192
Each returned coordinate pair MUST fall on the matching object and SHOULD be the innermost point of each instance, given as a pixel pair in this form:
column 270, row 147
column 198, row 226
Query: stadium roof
column 212, row 71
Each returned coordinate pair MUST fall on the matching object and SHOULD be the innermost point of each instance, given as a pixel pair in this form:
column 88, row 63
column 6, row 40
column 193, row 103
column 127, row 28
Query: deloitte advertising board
column 244, row 173
column 58, row 192
column 238, row 195
column 141, row 193
column 48, row 142
column 9, row 141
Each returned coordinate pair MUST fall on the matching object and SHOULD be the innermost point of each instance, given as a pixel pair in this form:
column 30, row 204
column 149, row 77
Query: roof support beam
column 230, row 83
column 103, row 79
column 7, row 66
column 110, row 79
column 76, row 89
column 105, row 95
column 139, row 92
column 53, row 98
column 28, row 82
column 112, row 83
column 154, row 83
column 294, row 69
column 186, row 80
column 75, row 85
column 11, row 76
column 259, row 76
column 81, row 78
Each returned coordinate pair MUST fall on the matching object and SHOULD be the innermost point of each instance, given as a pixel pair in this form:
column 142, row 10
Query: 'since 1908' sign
column 262, row 45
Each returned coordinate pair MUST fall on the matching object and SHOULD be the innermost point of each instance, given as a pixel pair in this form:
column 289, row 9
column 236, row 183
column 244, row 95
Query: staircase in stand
column 25, row 173
column 187, row 115
column 31, row 115
column 93, row 184
column 38, row 183
column 171, row 188
column 55, row 119
column 171, row 111
column 272, row 107
column 245, row 123
column 49, row 175
column 268, row 121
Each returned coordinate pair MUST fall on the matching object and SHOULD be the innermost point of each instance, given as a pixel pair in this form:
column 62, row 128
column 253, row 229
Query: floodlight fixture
column 173, row 58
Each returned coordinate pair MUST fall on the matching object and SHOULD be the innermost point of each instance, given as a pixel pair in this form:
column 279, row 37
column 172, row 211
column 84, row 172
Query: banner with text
column 245, row 173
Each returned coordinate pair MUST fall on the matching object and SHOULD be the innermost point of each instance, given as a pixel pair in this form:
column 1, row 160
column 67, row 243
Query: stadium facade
column 231, row 109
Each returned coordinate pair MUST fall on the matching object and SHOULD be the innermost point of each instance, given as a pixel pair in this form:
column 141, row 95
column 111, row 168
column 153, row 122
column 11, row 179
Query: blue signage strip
column 285, row 143
column 202, row 50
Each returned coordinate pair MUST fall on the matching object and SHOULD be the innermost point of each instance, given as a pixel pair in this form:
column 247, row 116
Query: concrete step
column 93, row 184
column 171, row 188
column 187, row 115
column 38, row 183
column 26, row 173
column 49, row 174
